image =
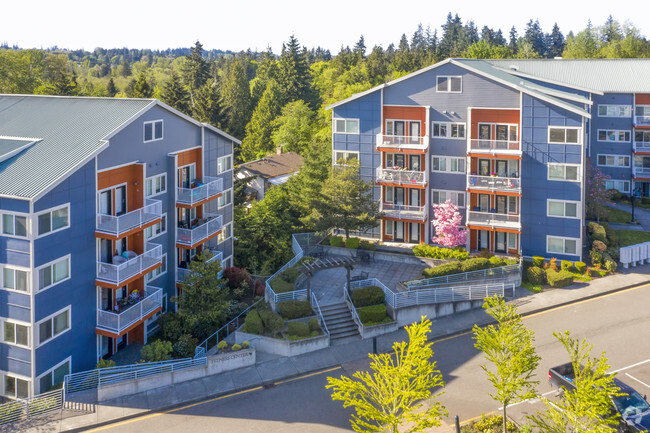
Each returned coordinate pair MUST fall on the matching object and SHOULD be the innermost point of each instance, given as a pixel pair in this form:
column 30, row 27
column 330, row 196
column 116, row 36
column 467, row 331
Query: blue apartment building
column 103, row 204
column 508, row 141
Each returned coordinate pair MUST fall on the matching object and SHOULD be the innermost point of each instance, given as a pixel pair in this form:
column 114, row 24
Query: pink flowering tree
column 597, row 194
column 447, row 225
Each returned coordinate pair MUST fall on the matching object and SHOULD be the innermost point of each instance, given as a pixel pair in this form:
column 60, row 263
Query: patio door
column 106, row 202
column 106, row 346
column 501, row 168
column 399, row 196
column 484, row 131
column 483, row 240
column 414, row 197
column 484, row 167
column 120, row 200
column 502, row 204
column 186, row 176
column 500, row 242
column 414, row 131
column 399, row 128
column 484, row 203
column 399, row 231
column 414, row 235
column 414, row 163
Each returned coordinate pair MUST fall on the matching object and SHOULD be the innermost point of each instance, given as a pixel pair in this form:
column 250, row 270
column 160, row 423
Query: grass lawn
column 531, row 287
column 632, row 237
column 618, row 216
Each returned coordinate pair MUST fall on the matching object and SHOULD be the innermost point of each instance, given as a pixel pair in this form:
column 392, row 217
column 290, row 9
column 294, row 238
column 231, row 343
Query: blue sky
column 255, row 24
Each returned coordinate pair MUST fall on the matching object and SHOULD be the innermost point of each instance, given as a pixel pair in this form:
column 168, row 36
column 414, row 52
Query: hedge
column 597, row 232
column 475, row 264
column 294, row 309
column 290, row 275
column 559, row 279
column 253, row 323
column 535, row 275
column 300, row 329
column 365, row 296
column 273, row 323
column 580, row 267
column 280, row 286
column 352, row 243
column 566, row 265
column 424, row 250
column 538, row 261
column 365, row 245
column 373, row 313
column 442, row 270
column 313, row 324
column 510, row 262
column 336, row 241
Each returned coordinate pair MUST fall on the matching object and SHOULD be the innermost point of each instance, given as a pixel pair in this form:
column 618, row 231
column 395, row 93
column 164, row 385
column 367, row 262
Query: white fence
column 23, row 409
column 210, row 187
column 118, row 273
column 494, row 183
column 117, row 225
column 503, row 271
column 633, row 254
column 399, row 176
column 209, row 225
column 321, row 319
column 119, row 322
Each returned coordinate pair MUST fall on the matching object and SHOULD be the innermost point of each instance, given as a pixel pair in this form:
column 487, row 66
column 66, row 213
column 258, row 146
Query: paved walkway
column 350, row 356
column 642, row 215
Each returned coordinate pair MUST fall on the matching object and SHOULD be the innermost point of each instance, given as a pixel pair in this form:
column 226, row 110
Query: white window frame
column 221, row 237
column 564, row 202
column 564, row 239
column 516, row 237
column 616, row 135
column 617, row 159
column 158, row 272
column 51, row 317
column 37, row 272
column 619, row 182
column 220, row 161
column 150, row 228
column 346, row 120
column 449, row 77
column 20, row 269
column 448, row 126
column 450, row 195
column 15, row 376
column 19, row 323
column 14, row 215
column 152, row 180
column 153, row 130
column 221, row 201
column 50, row 211
column 626, row 108
column 566, row 128
column 347, row 154
column 448, row 162
column 51, row 370
column 548, row 172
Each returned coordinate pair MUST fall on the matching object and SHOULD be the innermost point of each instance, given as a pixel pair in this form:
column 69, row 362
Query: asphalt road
column 616, row 324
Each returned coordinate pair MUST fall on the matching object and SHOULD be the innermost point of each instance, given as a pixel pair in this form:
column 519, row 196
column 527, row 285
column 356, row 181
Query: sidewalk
column 350, row 356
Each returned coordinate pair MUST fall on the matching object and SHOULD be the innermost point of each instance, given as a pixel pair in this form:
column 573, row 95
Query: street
column 614, row 323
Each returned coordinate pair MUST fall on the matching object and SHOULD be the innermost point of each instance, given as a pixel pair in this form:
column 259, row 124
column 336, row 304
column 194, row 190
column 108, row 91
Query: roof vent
column 514, row 67
column 557, row 58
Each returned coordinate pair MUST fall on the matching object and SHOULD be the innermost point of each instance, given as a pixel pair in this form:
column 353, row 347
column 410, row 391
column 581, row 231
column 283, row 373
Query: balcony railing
column 402, row 142
column 642, row 120
column 119, row 322
column 406, row 177
column 641, row 171
column 642, row 146
column 183, row 273
column 401, row 211
column 118, row 273
column 495, row 147
column 490, row 219
column 210, row 187
column 494, row 183
column 207, row 227
column 118, row 225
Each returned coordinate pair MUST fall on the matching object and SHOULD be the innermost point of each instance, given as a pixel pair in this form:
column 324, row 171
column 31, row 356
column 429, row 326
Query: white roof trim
column 562, row 95
column 547, row 80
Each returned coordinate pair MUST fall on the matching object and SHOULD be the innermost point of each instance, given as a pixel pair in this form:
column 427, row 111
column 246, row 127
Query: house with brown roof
column 268, row 171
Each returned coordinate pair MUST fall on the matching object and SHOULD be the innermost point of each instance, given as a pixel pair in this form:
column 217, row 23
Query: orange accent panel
column 490, row 229
column 130, row 174
column 491, row 156
column 137, row 334
column 489, row 192
column 473, row 239
column 482, row 115
column 406, row 113
column 642, row 99
column 391, row 150
column 188, row 157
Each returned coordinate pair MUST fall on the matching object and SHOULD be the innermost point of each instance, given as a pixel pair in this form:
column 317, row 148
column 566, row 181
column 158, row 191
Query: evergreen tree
column 125, row 67
column 555, row 42
column 206, row 106
column 611, row 31
column 235, row 99
column 142, row 88
column 454, row 39
column 487, row 35
column 471, row 33
column 294, row 78
column 257, row 141
column 403, row 60
column 535, row 37
column 195, row 70
column 499, row 39
column 360, row 49
column 305, row 187
column 377, row 65
column 512, row 43
column 175, row 95
column 110, row 88
column 432, row 46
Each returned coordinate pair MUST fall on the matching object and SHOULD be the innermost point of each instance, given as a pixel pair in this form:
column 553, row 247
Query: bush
column 294, row 309
column 253, row 323
column 364, row 296
column 273, row 323
column 559, row 279
column 538, row 261
column 432, row 252
column 614, row 253
column 610, row 265
column 236, row 347
column 105, row 363
column 535, row 275
column 485, row 253
column 281, row 286
column 567, row 265
column 599, row 246
column 442, row 270
column 596, row 257
column 258, row 287
column 645, row 200
column 336, row 241
column 612, row 238
column 366, row 245
column 222, row 345
column 245, row 345
column 373, row 313
column 598, row 232
column 314, row 334
column 552, row 264
column 580, row 267
column 508, row 262
column 290, row 275
column 614, row 194
column 236, row 276
column 313, row 324
column 475, row 264
column 352, row 243
column 171, row 326
column 185, row 346
column 300, row 329
column 156, row 351
column 496, row 262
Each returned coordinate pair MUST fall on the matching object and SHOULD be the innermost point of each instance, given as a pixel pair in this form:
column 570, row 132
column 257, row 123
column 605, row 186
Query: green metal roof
column 67, row 131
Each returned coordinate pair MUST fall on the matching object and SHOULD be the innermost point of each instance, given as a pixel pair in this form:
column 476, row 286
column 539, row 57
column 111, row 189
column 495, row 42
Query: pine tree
column 403, row 59
column 360, row 49
column 583, row 46
column 512, row 43
column 195, row 70
column 235, row 99
column 471, row 32
column 257, row 141
column 294, row 78
column 611, row 31
column 535, row 37
column 110, row 88
column 175, row 95
column 454, row 38
column 555, row 43
column 125, row 67
column 141, row 88
column 377, row 65
column 206, row 106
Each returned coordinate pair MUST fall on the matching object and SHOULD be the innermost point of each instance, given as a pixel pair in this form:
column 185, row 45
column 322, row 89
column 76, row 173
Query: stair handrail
column 316, row 306
column 353, row 310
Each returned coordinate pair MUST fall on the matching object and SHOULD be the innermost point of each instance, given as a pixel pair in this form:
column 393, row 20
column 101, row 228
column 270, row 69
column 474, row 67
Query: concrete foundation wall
column 377, row 330
column 385, row 256
column 407, row 315
column 283, row 347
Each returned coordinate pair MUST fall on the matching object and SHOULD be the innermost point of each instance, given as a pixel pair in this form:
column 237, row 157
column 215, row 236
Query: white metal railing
column 401, row 211
column 209, row 187
column 494, row 183
column 183, row 273
column 119, row 322
column 641, row 171
column 494, row 219
column 451, row 294
column 23, row 409
column 633, row 254
column 503, row 271
column 117, row 225
column 399, row 176
column 402, row 142
column 494, row 146
column 353, row 310
column 316, row 307
column 119, row 273
column 642, row 146
column 208, row 226
column 642, row 120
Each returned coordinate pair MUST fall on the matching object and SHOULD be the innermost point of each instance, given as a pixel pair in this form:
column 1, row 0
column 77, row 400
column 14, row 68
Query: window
column 342, row 157
column 642, row 110
column 15, row 279
column 15, row 333
column 447, row 130
column 156, row 229
column 614, row 110
column 448, row 164
column 558, row 245
column 440, row 196
column 225, row 198
column 155, row 185
column 54, row 376
column 225, row 233
column 16, row 387
column 564, row 135
column 158, row 271
column 512, row 241
column 447, row 83
column 153, row 130
column 614, row 135
column 613, row 160
column 563, row 172
column 346, row 126
column 224, row 164
column 14, row 225
column 54, row 273
column 53, row 326
column 641, row 136
column 561, row 208
column 53, row 220
column 619, row 185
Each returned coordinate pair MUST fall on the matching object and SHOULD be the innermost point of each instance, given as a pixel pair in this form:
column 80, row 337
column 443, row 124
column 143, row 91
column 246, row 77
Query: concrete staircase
column 338, row 319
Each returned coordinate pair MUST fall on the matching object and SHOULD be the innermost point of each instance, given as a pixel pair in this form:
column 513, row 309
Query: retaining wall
column 385, row 256
column 283, row 347
column 407, row 315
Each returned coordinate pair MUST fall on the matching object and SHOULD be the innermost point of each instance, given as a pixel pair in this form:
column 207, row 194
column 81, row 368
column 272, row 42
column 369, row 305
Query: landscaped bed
column 285, row 280
column 370, row 306
column 296, row 321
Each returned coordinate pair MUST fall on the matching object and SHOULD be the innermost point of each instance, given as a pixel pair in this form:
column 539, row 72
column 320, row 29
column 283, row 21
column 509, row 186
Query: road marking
column 467, row 421
column 642, row 383
column 530, row 400
column 630, row 366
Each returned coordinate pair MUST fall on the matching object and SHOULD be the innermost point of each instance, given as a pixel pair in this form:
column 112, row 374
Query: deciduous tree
column 597, row 194
column 447, row 225
column 294, row 127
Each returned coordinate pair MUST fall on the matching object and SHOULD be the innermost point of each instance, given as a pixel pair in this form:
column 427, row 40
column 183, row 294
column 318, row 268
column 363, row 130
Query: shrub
column 222, row 345
column 552, row 264
column 475, row 264
column 290, row 275
column 598, row 232
column 596, row 257
column 171, row 326
column 496, row 262
column 559, row 279
column 273, row 323
column 610, row 265
column 580, row 267
column 614, row 253
column 156, row 351
column 185, row 346
column 352, row 243
column 614, row 194
column 567, row 265
column 314, row 334
column 105, row 363
column 245, row 345
column 510, row 261
column 294, row 309
column 236, row 347
column 258, row 287
column 485, row 253
column 536, row 275
column 366, row 245
column 253, row 323
column 538, row 261
column 313, row 324
column 442, row 270
column 364, row 296
column 336, row 241
column 236, row 276
column 281, row 286
column 612, row 238
column 373, row 313
column 300, row 329
column 599, row 246
column 432, row 252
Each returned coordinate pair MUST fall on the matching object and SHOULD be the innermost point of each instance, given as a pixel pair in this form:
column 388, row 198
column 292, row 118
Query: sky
column 256, row 24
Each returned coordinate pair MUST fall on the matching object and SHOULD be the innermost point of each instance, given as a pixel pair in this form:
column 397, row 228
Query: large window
column 641, row 136
column 563, row 172
column 441, row 196
column 54, row 220
column 619, row 185
column 560, row 245
column 153, row 131
column 564, row 135
column 614, row 135
column 14, row 225
column 614, row 110
column 155, row 185
column 562, row 208
column 447, row 130
column 15, row 279
column 613, row 160
column 16, row 387
column 53, row 326
column 344, row 157
column 224, row 164
column 54, row 273
column 449, row 83
column 15, row 333
column 161, row 270
column 448, row 164
column 346, row 126
column 156, row 229
column 54, row 376
column 225, row 199
column 225, row 233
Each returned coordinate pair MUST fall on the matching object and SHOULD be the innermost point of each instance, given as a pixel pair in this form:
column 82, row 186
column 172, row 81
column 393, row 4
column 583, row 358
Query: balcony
column 494, row 183
column 404, row 212
column 494, row 147
column 641, row 172
column 641, row 146
column 134, row 313
column 183, row 273
column 493, row 220
column 205, row 189
column 206, row 228
column 115, row 227
column 642, row 121
column 123, row 270
column 401, row 177
column 401, row 142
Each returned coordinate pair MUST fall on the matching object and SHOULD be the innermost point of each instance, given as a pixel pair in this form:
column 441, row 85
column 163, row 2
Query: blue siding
column 14, row 205
column 15, row 360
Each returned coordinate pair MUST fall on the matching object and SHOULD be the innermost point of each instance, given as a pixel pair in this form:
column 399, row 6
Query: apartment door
column 500, row 242
column 414, row 197
column 502, row 204
column 414, row 163
column 399, row 231
column 106, row 346
column 120, row 200
column 105, row 299
column 501, row 168
column 414, row 235
column 186, row 176
column 414, row 131
column 484, row 203
column 483, row 240
column 484, row 167
column 106, row 202
column 399, row 128
column 399, row 196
